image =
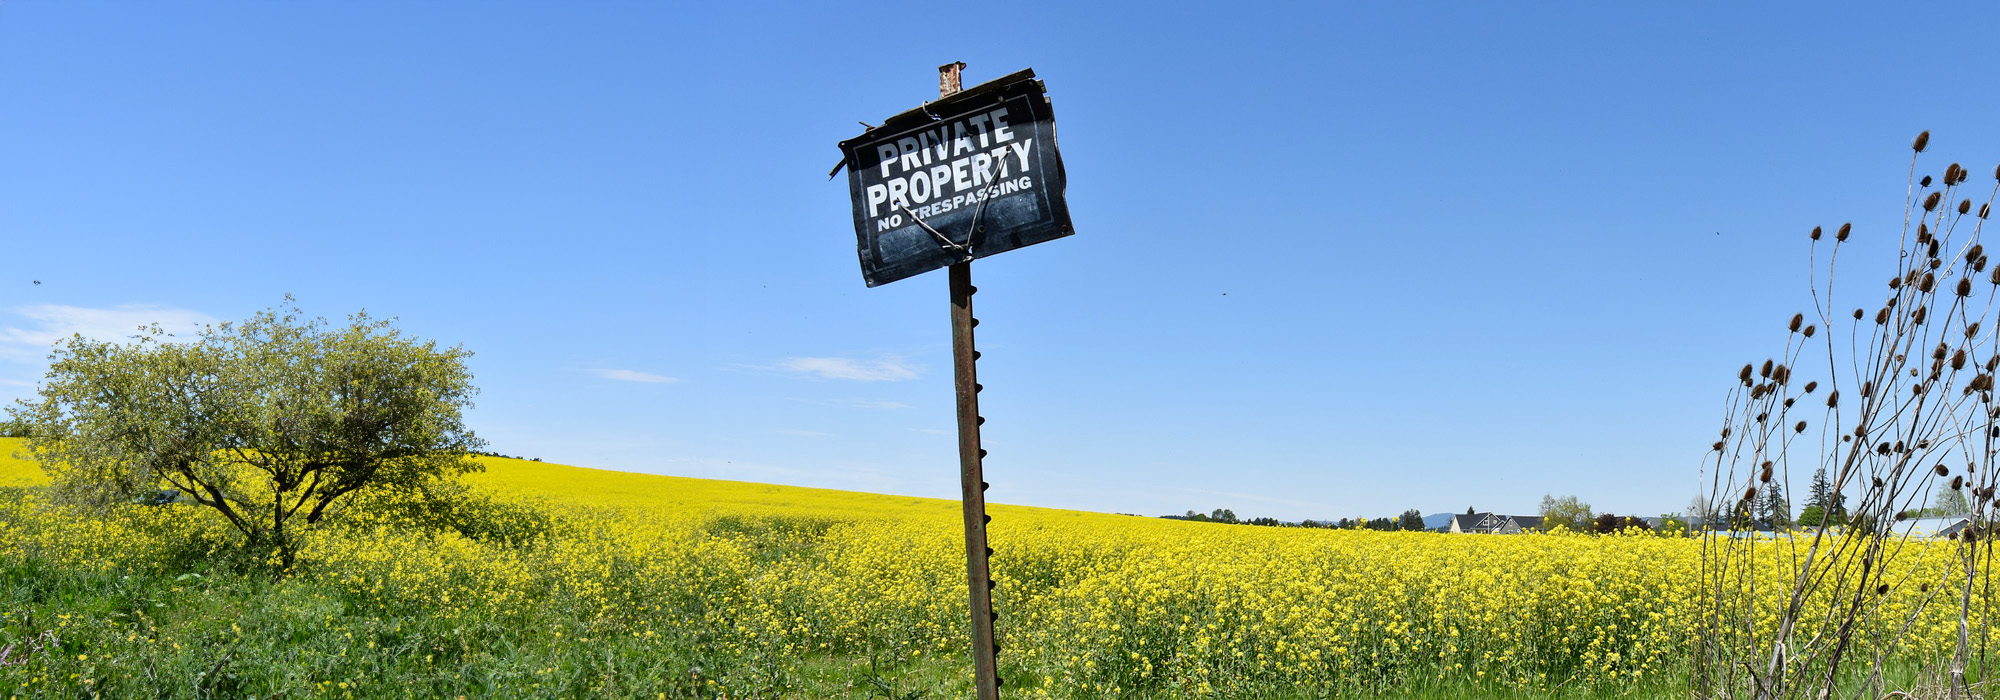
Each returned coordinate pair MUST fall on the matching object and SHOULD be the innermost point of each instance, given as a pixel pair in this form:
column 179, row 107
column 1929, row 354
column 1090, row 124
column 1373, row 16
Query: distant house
column 1494, row 524
column 1481, row 523
column 1948, row 526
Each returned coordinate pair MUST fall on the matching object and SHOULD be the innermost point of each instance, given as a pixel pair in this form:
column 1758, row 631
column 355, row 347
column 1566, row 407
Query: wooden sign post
column 973, row 174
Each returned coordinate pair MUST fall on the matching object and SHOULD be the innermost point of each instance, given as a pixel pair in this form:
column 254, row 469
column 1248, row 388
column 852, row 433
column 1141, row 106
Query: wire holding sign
column 964, row 250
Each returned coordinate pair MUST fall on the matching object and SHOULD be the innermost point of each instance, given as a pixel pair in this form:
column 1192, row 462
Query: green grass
column 199, row 629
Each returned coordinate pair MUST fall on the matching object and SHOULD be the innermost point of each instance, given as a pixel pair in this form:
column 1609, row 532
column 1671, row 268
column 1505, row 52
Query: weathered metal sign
column 967, row 176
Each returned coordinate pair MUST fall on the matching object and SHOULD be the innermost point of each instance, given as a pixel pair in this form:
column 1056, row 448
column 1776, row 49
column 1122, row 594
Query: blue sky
column 1331, row 260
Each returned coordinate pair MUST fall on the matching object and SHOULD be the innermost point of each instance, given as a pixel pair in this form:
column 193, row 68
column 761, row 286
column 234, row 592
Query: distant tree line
column 1568, row 512
column 1411, row 520
column 496, row 454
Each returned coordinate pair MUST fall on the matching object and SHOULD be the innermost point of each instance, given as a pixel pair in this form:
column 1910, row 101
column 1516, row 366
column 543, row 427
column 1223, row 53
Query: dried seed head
column 1725, row 433
column 1951, row 173
column 1757, row 392
column 1984, row 209
column 1895, row 282
column 1781, row 374
column 1929, row 281
column 1938, row 352
column 1918, row 315
column 1797, row 320
column 1717, row 446
column 1750, row 494
column 1926, row 182
column 1765, row 371
column 1788, row 402
column 1765, row 475
column 1815, row 233
column 1964, row 206
column 1923, row 140
column 1923, row 233
column 1972, row 329
column 1809, row 331
column 1996, row 275
column 1867, row 390
column 1878, row 482
column 1974, row 252
column 1833, row 399
column 1958, row 360
column 1881, row 318
column 1924, row 587
column 1935, row 263
column 1979, row 265
column 1841, row 235
column 1965, row 286
column 1800, row 428
column 1931, row 202
column 1941, row 470
column 1902, row 515
column 1744, row 376
column 1882, row 449
column 1962, row 173
column 1957, row 483
column 1810, row 386
column 1884, row 588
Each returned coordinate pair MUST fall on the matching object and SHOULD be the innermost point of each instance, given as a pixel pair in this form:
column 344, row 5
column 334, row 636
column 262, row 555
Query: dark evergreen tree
column 1411, row 519
column 1774, row 510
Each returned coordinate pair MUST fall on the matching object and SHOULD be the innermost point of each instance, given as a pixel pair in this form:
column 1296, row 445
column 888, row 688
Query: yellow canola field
column 1090, row 604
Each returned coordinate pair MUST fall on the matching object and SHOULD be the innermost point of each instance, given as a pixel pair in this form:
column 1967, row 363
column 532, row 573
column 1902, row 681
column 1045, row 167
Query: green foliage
column 1569, row 512
column 277, row 423
column 1810, row 516
column 1949, row 502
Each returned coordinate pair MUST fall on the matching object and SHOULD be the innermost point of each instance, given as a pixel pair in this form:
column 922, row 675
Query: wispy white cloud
column 50, row 323
column 889, row 369
column 626, row 375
